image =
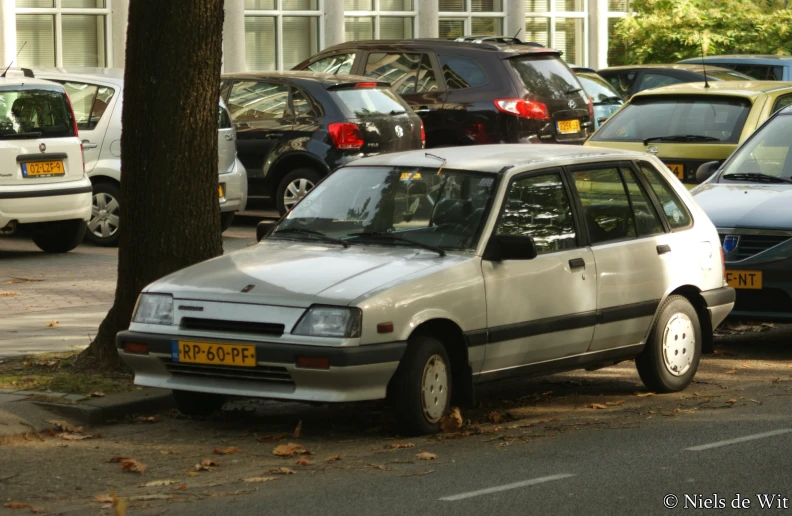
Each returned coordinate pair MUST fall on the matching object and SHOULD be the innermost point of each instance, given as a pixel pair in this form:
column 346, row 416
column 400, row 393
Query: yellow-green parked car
column 687, row 125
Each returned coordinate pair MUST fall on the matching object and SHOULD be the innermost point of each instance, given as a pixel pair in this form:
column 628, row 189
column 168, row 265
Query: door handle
column 229, row 137
column 576, row 263
column 88, row 145
column 663, row 249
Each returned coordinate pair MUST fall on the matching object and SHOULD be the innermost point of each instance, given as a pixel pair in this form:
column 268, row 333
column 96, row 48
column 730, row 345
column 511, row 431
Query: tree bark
column 170, row 214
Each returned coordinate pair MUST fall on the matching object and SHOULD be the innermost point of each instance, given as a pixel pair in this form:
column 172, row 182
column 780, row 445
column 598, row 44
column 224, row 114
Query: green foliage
column 665, row 31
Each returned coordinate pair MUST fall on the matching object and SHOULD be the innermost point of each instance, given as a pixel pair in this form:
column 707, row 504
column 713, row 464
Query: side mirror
column 509, row 247
column 706, row 170
column 263, row 228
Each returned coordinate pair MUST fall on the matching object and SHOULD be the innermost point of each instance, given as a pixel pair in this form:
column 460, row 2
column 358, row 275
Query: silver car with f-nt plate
column 413, row 276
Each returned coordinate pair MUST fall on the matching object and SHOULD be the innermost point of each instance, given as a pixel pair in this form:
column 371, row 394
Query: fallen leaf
column 97, row 394
column 426, row 456
column 281, row 470
column 157, row 483
column 259, row 479
column 17, row 505
column 103, row 499
column 333, row 458
column 148, row 419
column 168, row 452
column 290, row 450
column 598, row 406
column 651, row 412
column 141, row 498
column 133, row 465
column 182, row 487
column 298, row 430
column 67, row 436
column 731, row 401
column 452, row 422
column 419, row 474
column 548, row 420
column 52, row 324
column 269, row 438
column 495, row 417
column 733, row 370
column 118, row 459
column 614, row 403
column 9, row 294
column 66, row 427
column 644, row 394
column 227, row 451
column 547, row 393
column 193, row 473
column 304, row 462
column 397, row 446
column 746, row 366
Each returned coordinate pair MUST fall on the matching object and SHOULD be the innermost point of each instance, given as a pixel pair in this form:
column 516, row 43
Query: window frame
column 361, row 59
column 775, row 109
column 467, row 14
column 636, row 164
column 278, row 13
column 377, row 13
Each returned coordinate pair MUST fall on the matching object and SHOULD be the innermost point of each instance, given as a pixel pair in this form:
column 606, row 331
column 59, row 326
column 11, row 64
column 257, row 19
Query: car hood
column 300, row 274
column 746, row 205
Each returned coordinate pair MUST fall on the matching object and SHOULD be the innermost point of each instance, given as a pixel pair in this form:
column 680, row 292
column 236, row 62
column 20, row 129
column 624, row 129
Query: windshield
column 34, row 113
column 766, row 153
column 545, row 76
column 445, row 210
column 706, row 116
column 598, row 89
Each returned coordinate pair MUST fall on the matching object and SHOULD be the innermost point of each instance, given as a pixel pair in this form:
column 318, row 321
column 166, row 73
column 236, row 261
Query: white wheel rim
column 679, row 344
column 434, row 388
column 104, row 215
column 295, row 191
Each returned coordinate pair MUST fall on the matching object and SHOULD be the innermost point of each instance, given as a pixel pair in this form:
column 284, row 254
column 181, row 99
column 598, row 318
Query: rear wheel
column 59, row 237
column 198, row 403
column 226, row 218
column 294, row 186
column 105, row 213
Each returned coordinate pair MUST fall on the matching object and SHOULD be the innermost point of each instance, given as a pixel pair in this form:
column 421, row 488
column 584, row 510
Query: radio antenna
column 12, row 61
column 703, row 64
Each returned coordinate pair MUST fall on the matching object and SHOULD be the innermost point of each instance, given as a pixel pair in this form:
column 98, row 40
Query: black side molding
column 719, row 296
column 46, row 193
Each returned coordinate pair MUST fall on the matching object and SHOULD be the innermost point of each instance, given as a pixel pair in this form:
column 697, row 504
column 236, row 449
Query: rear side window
column 675, row 211
column 365, row 102
column 406, row 73
column 622, row 82
column 341, row 63
column 656, row 80
column 89, row 101
column 252, row 101
column 34, row 113
column 715, row 119
column 760, row 72
column 545, row 76
column 460, row 72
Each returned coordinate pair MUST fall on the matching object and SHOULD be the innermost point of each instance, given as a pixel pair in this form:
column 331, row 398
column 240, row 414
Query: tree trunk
column 170, row 214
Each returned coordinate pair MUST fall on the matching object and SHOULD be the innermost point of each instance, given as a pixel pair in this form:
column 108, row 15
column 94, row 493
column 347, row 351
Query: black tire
column 198, row 403
column 109, row 192
column 674, row 372
column 308, row 174
column 407, row 392
column 59, row 237
column 226, row 218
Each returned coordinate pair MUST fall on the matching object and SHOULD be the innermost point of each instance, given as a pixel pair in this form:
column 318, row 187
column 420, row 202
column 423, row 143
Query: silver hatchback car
column 413, row 276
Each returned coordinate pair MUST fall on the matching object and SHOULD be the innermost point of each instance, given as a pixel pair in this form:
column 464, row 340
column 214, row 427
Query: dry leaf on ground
column 226, row 451
column 103, row 499
column 118, row 459
column 452, row 422
column 206, row 465
column 52, row 324
column 731, row 401
column 290, row 450
column 9, row 294
column 259, row 479
column 397, row 446
column 282, row 471
column 298, row 430
column 644, row 394
column 182, row 487
column 304, row 462
column 598, row 406
column 269, row 438
column 97, row 394
column 65, row 426
column 419, row 474
column 547, row 393
column 68, row 436
column 168, row 452
column 193, row 473
column 614, row 403
column 495, row 417
column 333, row 458
column 133, row 465
column 142, row 498
column 157, row 483
column 427, row 456
column 148, row 419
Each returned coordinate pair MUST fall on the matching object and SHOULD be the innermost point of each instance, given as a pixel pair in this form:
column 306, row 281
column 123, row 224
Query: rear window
column 363, row 102
column 651, row 117
column 545, row 76
column 598, row 89
column 34, row 113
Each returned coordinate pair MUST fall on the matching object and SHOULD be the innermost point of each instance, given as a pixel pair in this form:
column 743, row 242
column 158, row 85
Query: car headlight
column 330, row 321
column 154, row 309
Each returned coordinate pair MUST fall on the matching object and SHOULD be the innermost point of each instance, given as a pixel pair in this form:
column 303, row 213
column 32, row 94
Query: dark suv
column 497, row 91
column 294, row 128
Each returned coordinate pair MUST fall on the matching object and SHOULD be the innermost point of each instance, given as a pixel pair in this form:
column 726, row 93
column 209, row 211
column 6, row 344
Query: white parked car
column 413, row 276
column 96, row 95
column 43, row 185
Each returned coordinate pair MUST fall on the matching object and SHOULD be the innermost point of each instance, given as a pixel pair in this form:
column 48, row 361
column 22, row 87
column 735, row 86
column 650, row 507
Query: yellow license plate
column 43, row 168
column 568, row 126
column 215, row 354
column 677, row 169
column 744, row 279
column 221, row 190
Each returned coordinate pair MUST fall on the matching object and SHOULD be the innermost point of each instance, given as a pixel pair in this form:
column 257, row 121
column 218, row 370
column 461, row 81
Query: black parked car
column 494, row 90
column 294, row 128
column 629, row 80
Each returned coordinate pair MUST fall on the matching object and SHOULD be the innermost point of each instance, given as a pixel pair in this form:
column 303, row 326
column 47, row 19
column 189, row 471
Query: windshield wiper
column 757, row 176
column 21, row 136
column 388, row 236
column 681, row 138
column 317, row 234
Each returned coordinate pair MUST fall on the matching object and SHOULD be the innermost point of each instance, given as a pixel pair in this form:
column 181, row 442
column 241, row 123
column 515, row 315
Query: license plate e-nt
column 568, row 126
column 43, row 169
column 744, row 279
column 677, row 169
column 214, row 354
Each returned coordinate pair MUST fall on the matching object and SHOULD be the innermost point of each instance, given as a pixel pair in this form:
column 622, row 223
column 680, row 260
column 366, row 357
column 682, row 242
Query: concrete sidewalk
column 30, row 332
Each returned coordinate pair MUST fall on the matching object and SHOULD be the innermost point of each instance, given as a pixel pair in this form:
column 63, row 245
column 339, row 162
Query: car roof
column 114, row 75
column 305, row 76
column 687, row 67
column 492, row 158
column 514, row 46
column 756, row 58
column 19, row 80
column 746, row 89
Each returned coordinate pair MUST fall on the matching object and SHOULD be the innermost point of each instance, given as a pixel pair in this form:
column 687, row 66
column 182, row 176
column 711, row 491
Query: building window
column 280, row 33
column 470, row 18
column 63, row 32
column 617, row 9
column 560, row 24
column 379, row 19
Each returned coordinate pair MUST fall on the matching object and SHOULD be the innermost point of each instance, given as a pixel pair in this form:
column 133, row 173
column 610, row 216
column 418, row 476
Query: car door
column 226, row 140
column 545, row 308
column 92, row 105
column 635, row 256
column 260, row 114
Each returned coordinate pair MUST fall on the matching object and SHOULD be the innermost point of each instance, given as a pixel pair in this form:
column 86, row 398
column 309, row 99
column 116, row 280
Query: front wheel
column 59, row 237
column 421, row 389
column 671, row 356
column 198, row 403
column 294, row 186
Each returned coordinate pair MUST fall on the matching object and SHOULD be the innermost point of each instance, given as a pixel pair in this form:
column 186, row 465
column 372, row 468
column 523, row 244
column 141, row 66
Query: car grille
column 750, row 245
column 255, row 328
column 267, row 374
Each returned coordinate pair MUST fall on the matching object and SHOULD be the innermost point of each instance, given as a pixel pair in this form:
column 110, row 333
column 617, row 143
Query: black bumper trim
column 41, row 157
column 719, row 296
column 46, row 193
column 279, row 353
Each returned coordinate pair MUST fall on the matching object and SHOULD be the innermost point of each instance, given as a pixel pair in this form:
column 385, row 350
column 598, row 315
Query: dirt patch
column 59, row 372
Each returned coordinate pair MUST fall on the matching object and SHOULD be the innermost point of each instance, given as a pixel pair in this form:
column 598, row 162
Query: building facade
column 277, row 34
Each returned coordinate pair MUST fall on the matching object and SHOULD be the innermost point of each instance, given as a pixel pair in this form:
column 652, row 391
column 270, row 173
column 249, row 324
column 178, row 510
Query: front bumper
column 773, row 302
column 355, row 373
column 236, row 189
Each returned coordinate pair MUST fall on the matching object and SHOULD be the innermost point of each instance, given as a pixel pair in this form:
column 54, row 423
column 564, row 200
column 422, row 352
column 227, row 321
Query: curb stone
column 98, row 411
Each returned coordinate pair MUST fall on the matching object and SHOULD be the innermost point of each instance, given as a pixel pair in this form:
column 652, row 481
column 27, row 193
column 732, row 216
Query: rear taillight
column 423, row 136
column 523, row 108
column 590, row 107
column 76, row 132
column 345, row 136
